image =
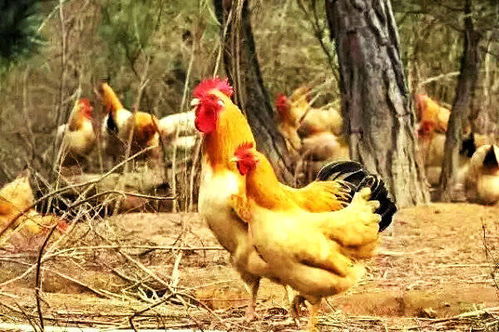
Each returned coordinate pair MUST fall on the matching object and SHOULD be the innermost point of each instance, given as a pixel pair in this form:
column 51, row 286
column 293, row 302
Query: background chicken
column 178, row 130
column 288, row 121
column 319, row 120
column 77, row 136
column 434, row 156
column 315, row 132
column 325, row 146
column 432, row 117
column 119, row 122
column 18, row 192
column 482, row 178
column 315, row 253
column 20, row 224
column 432, row 148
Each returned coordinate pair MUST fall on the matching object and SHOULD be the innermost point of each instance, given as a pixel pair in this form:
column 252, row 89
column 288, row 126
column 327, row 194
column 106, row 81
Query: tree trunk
column 469, row 71
column 243, row 70
column 375, row 102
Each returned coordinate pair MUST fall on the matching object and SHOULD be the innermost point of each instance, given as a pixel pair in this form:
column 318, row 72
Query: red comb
column 85, row 107
column 241, row 149
column 222, row 85
column 281, row 97
column 85, row 101
column 281, row 102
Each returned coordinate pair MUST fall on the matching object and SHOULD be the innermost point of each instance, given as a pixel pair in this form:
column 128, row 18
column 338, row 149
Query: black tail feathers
column 354, row 176
column 490, row 160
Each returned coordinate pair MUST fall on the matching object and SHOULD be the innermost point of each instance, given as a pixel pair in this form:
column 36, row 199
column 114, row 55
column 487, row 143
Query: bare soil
column 434, row 271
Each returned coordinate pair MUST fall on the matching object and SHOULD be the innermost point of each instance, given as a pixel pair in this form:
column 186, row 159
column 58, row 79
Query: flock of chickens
column 311, row 240
column 119, row 127
column 316, row 133
column 478, row 172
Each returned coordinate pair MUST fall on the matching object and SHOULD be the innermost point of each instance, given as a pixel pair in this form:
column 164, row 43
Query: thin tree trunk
column 243, row 70
column 481, row 101
column 470, row 69
column 375, row 102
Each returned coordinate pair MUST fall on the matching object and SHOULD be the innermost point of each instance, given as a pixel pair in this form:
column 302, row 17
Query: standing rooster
column 119, row 122
column 224, row 128
column 315, row 253
column 78, row 135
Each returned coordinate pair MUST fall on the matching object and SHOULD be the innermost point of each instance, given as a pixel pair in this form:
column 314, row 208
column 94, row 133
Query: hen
column 288, row 121
column 432, row 149
column 18, row 217
column 315, row 253
column 77, row 137
column 315, row 132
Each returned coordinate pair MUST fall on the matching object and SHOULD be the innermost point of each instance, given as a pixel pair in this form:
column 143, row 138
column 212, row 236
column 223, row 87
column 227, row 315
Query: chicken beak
column 194, row 102
column 234, row 159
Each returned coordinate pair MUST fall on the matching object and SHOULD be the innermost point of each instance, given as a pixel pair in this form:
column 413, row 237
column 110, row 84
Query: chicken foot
column 313, row 308
column 251, row 284
column 313, row 304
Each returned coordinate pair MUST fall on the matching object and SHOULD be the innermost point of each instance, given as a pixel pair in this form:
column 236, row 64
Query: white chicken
column 178, row 130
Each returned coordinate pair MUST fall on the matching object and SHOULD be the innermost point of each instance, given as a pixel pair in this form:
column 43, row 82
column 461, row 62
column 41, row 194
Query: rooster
column 77, row 136
column 224, row 128
column 315, row 253
column 482, row 179
column 119, row 122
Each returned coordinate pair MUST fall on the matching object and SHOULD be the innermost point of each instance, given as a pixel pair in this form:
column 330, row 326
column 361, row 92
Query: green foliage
column 19, row 38
column 128, row 26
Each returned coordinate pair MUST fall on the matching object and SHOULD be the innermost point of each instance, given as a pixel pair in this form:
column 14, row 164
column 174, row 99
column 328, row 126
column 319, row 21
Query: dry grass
column 167, row 271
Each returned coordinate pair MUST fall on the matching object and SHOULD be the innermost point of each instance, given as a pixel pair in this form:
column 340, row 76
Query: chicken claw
column 297, row 306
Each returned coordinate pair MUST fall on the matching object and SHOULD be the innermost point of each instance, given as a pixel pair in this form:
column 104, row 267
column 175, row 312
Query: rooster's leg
column 289, row 294
column 296, row 306
column 314, row 308
column 251, row 283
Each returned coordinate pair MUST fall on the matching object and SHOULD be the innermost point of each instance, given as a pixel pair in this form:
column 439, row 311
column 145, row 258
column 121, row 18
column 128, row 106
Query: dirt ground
column 434, row 271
